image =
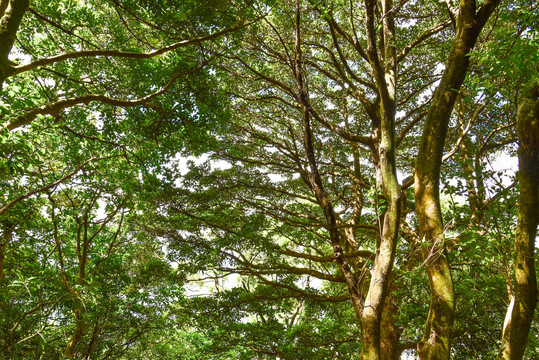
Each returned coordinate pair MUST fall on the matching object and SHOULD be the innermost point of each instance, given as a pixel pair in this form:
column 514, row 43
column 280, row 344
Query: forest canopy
column 269, row 179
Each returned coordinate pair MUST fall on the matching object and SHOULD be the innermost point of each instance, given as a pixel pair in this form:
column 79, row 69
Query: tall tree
column 437, row 337
column 75, row 76
column 333, row 59
column 524, row 299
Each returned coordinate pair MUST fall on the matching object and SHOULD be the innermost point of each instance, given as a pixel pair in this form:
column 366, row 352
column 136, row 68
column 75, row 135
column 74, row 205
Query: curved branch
column 58, row 26
column 485, row 144
column 409, row 127
column 55, row 108
column 364, row 140
column 465, row 131
column 315, row 297
column 126, row 54
column 368, row 255
column 420, row 39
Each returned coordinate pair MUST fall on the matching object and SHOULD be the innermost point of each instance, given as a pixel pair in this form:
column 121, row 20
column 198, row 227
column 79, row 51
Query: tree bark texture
column 80, row 330
column 3, row 247
column 437, row 334
column 11, row 14
column 524, row 298
column 390, row 332
column 315, row 180
column 384, row 69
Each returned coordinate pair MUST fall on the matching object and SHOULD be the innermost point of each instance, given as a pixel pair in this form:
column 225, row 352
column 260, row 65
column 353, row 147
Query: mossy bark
column 524, row 298
column 11, row 14
column 80, row 330
column 436, row 340
column 383, row 64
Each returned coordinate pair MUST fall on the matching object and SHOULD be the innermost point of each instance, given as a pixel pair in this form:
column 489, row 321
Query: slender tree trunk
column 375, row 302
column 315, row 180
column 475, row 195
column 384, row 68
column 78, row 310
column 80, row 330
column 524, row 298
column 93, row 341
column 370, row 313
column 437, row 334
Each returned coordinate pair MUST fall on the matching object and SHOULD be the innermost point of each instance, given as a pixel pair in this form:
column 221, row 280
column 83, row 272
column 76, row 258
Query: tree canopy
column 265, row 179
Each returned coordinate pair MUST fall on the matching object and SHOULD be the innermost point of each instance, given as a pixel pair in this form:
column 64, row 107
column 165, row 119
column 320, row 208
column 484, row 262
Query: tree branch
column 54, row 109
column 420, row 39
column 127, row 54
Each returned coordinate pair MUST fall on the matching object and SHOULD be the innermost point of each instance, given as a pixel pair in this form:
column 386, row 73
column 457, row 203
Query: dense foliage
column 245, row 179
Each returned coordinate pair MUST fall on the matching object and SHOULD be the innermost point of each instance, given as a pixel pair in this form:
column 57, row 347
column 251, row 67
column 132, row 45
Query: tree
column 377, row 49
column 72, row 163
column 524, row 300
column 470, row 21
column 347, row 148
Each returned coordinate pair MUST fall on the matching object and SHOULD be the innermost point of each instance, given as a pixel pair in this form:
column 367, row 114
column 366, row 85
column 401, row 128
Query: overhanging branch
column 126, row 54
column 54, row 109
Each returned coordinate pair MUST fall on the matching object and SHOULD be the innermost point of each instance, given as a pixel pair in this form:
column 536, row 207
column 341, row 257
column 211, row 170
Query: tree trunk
column 384, row 68
column 8, row 232
column 390, row 332
column 437, row 334
column 11, row 14
column 315, row 180
column 80, row 330
column 375, row 302
column 524, row 299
